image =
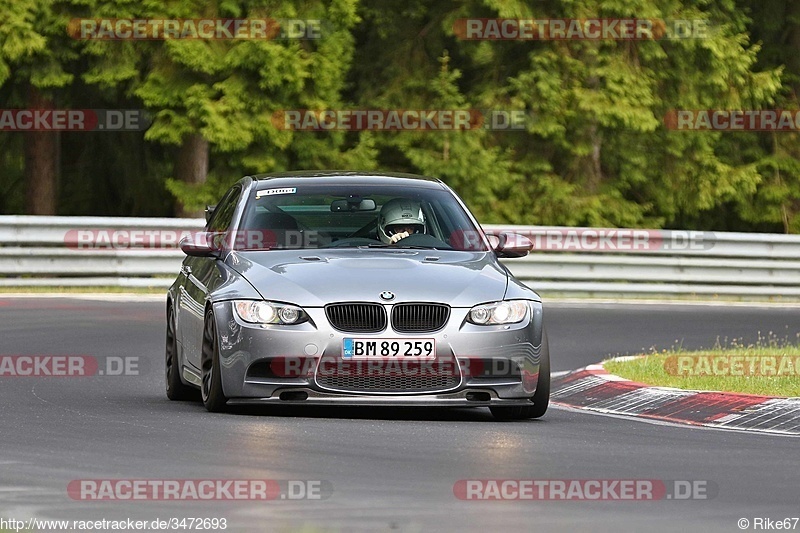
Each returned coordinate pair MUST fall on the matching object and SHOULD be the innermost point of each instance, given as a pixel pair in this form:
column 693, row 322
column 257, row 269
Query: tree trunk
column 594, row 168
column 789, row 207
column 192, row 167
column 41, row 162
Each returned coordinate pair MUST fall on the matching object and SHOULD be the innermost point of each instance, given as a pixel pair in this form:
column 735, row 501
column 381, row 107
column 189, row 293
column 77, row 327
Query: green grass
column 690, row 298
column 673, row 368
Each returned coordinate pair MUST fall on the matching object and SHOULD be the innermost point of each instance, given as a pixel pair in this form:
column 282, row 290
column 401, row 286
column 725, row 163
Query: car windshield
column 355, row 216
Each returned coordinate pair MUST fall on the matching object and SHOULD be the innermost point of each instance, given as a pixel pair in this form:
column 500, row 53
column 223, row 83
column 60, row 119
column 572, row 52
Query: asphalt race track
column 384, row 469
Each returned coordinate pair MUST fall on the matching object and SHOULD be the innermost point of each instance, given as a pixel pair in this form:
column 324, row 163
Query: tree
column 776, row 200
column 35, row 58
column 597, row 151
column 219, row 96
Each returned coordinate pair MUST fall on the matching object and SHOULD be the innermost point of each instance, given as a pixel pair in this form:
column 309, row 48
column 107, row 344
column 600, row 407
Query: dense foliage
column 594, row 150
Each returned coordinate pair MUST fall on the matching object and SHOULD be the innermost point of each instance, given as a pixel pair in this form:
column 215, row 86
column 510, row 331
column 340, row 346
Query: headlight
column 508, row 312
column 256, row 312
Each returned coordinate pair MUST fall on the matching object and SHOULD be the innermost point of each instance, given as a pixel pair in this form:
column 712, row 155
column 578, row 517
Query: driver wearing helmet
column 400, row 218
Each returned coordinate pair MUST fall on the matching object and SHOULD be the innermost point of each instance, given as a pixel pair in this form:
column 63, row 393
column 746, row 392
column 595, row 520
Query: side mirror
column 511, row 245
column 197, row 246
column 210, row 212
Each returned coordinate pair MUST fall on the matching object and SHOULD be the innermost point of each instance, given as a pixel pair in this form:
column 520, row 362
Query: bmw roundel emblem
column 387, row 295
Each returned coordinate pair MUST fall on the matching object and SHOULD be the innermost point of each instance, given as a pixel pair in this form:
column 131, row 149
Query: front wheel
column 176, row 389
column 540, row 399
column 211, row 385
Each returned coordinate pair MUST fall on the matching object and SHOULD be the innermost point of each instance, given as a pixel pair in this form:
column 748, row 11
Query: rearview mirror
column 511, row 245
column 353, row 204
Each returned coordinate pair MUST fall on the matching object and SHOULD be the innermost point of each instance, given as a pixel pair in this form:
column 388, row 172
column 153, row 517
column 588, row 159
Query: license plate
column 387, row 348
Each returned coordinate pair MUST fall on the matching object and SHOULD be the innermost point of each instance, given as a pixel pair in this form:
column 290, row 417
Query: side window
column 223, row 214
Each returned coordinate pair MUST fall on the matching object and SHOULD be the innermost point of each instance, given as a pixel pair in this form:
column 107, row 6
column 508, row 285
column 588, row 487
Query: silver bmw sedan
column 353, row 288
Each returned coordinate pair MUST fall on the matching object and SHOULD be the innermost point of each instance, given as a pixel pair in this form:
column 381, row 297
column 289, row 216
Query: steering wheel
column 423, row 239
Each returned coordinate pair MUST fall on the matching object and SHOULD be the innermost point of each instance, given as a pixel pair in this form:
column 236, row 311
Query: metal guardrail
column 46, row 251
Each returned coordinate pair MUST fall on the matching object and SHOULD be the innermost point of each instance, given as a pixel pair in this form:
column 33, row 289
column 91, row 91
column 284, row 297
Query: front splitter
column 455, row 399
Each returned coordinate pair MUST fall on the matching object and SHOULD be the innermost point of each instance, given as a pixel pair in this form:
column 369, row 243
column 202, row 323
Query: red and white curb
column 594, row 389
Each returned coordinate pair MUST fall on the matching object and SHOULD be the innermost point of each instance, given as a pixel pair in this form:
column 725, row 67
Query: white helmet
column 399, row 212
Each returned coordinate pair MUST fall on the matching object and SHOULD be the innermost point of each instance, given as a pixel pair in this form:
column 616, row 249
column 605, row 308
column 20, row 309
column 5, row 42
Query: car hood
column 314, row 278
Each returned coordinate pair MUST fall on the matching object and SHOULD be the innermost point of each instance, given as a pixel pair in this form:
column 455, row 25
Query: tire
column 211, row 385
column 540, row 399
column 177, row 390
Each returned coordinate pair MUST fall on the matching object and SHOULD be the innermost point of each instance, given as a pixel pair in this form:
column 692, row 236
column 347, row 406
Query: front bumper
column 507, row 355
column 467, row 397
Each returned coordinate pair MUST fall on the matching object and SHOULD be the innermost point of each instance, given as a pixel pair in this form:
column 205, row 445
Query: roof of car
column 352, row 177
